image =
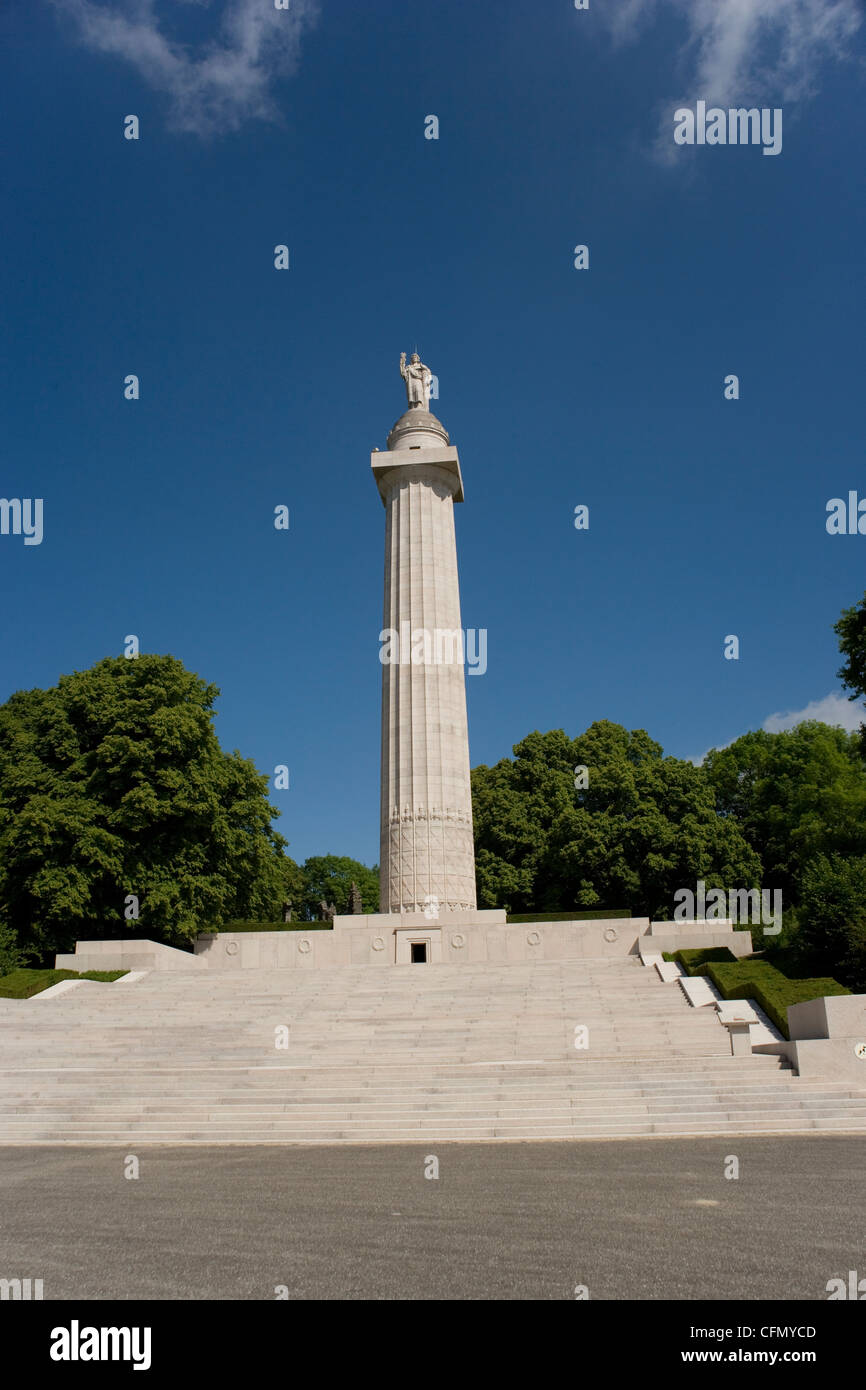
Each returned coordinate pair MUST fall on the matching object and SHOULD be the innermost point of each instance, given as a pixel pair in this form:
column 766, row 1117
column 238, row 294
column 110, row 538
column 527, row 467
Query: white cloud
column 740, row 52
column 743, row 50
column 833, row 709
column 221, row 85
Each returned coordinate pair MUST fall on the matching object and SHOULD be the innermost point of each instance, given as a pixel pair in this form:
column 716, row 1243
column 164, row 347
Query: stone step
column 337, row 1087
column 325, row 1104
column 150, row 1104
column 315, row 1109
column 603, row 1070
column 684, row 1127
column 431, row 1055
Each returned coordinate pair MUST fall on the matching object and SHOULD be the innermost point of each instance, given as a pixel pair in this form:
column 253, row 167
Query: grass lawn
column 22, row 984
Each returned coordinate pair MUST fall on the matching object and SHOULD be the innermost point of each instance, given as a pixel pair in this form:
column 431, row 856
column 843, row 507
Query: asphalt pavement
column 639, row 1219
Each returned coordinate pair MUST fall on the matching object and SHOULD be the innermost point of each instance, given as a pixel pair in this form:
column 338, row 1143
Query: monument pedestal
column 397, row 921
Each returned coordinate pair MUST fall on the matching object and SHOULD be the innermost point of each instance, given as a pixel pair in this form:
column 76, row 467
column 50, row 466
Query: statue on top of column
column 417, row 378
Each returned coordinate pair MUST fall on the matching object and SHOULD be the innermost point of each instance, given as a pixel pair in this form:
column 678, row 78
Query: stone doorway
column 415, row 946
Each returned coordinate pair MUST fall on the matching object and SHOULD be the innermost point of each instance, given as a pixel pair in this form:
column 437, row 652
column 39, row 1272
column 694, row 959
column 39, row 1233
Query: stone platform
column 387, row 939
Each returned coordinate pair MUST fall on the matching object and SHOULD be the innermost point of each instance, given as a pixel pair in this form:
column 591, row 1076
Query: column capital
column 412, row 464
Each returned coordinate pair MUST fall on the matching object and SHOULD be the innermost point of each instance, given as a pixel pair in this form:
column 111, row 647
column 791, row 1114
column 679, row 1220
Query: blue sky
column 558, row 386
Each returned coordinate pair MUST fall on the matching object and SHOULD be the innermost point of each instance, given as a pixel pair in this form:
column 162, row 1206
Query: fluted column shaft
column 427, row 853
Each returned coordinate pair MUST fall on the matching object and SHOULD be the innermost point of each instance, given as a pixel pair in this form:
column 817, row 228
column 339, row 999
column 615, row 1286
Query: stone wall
column 127, row 955
column 828, row 1038
column 382, row 939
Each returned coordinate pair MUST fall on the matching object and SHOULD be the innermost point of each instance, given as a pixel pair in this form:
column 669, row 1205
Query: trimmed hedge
column 268, row 926
column 23, row 984
column 757, row 979
column 697, row 960
column 583, row 916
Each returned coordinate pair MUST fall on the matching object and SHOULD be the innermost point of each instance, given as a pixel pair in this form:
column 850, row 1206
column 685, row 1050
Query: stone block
column 668, row 970
column 741, row 1038
column 736, row 1011
column 127, row 955
column 836, row 1016
column 697, row 990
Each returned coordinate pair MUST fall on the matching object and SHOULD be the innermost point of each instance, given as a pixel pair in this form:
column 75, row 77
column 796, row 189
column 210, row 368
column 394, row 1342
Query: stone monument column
column 427, row 861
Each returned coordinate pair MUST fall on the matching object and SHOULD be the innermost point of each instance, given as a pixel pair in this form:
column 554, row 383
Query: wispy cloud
column 749, row 49
column 833, row 709
column 221, row 85
column 741, row 52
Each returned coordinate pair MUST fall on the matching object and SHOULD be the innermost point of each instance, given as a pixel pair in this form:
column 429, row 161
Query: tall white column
column 427, row 854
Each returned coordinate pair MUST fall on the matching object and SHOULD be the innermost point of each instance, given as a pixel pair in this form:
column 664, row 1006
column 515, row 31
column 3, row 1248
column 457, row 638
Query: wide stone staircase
column 426, row 1053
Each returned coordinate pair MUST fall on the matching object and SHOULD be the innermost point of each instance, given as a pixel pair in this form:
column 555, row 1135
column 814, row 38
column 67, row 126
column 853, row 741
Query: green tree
column 795, row 794
column 329, row 877
column 644, row 826
column 851, row 631
column 113, row 784
column 293, row 889
column 832, row 919
column 11, row 955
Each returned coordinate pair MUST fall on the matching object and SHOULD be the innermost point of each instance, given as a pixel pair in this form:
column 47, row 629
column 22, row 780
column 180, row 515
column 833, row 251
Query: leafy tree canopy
column 329, row 877
column 113, row 784
column 832, row 918
column 796, row 795
column 851, row 631
column 644, row 826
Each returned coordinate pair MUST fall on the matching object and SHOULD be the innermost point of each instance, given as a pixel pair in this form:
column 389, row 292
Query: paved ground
column 642, row 1219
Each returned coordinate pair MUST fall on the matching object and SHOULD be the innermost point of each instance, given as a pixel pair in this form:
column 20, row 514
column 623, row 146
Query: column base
column 392, row 921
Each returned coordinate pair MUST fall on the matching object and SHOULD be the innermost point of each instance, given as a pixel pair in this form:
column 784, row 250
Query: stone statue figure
column 417, row 378
column 328, row 911
column 355, row 903
column 287, row 910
